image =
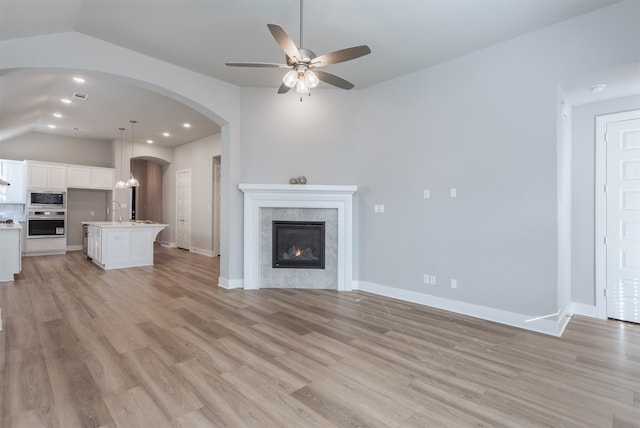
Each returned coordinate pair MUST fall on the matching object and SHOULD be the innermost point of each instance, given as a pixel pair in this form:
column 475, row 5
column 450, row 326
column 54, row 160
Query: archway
column 216, row 100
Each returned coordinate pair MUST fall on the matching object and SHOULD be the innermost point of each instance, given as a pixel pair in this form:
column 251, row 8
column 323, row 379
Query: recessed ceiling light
column 78, row 79
column 66, row 100
column 186, row 125
column 597, row 88
column 51, row 125
column 166, row 134
column 149, row 141
column 58, row 115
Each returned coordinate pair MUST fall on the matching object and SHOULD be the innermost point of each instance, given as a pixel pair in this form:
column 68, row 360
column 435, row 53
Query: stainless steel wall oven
column 45, row 224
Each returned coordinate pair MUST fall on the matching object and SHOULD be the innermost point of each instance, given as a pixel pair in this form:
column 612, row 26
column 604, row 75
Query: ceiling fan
column 304, row 64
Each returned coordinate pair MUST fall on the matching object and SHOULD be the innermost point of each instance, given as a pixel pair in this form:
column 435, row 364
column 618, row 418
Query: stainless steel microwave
column 47, row 199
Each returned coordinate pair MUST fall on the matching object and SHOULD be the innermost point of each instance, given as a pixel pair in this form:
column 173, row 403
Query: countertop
column 123, row 224
column 14, row 226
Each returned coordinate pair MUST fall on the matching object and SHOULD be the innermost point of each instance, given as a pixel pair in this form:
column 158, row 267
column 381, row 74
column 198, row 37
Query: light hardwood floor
column 164, row 346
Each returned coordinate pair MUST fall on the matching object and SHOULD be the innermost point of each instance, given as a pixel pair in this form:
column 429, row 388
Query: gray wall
column 198, row 156
column 56, row 148
column 84, row 205
column 485, row 123
column 583, row 193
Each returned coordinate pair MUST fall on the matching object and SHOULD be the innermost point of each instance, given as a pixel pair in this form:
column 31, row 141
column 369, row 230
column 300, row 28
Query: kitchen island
column 116, row 245
column 10, row 251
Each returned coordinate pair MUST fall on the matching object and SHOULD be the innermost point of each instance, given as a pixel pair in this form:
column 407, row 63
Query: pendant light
column 132, row 182
column 120, row 184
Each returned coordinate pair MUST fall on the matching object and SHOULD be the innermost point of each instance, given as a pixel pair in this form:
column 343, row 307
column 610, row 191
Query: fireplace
column 266, row 203
column 298, row 244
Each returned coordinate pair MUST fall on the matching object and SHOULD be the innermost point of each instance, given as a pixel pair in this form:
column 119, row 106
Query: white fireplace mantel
column 258, row 196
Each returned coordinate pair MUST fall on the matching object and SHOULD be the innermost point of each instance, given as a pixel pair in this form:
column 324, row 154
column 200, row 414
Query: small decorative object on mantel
column 298, row 180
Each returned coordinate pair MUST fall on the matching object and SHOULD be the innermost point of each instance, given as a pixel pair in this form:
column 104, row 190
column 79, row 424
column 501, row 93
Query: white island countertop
column 123, row 223
column 115, row 245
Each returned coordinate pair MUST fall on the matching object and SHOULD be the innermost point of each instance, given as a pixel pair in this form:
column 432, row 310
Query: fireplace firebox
column 298, row 244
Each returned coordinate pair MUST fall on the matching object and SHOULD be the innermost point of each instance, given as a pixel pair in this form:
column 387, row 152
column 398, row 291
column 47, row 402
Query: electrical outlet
column 427, row 194
column 381, row 208
column 376, row 208
column 453, row 192
column 454, row 283
column 432, row 280
column 426, row 278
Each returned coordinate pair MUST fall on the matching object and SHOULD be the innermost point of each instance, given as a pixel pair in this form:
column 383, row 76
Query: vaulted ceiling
column 404, row 36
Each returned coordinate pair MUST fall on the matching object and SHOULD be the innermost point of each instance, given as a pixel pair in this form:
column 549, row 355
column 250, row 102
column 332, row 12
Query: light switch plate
column 453, row 192
column 427, row 194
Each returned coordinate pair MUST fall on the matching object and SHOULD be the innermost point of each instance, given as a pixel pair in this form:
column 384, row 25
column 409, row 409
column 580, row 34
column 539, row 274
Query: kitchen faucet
column 118, row 205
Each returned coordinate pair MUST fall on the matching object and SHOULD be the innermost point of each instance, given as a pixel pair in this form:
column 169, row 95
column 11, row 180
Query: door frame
column 601, row 205
column 190, row 204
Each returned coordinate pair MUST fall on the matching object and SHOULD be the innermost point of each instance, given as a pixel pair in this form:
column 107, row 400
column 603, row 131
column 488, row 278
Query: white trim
column 202, row 251
column 585, row 310
column 181, row 171
column 257, row 196
column 601, row 206
column 229, row 284
column 540, row 325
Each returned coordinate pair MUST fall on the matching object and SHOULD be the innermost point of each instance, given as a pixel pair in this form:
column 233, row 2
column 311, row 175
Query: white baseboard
column 230, row 284
column 586, row 310
column 208, row 253
column 167, row 244
column 544, row 324
column 74, row 247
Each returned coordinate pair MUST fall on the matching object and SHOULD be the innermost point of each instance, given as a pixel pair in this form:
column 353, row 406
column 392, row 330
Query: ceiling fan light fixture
column 302, row 87
column 290, row 79
column 311, row 79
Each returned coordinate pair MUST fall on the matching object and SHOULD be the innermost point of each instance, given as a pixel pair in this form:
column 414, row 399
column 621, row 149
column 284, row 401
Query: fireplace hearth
column 298, row 244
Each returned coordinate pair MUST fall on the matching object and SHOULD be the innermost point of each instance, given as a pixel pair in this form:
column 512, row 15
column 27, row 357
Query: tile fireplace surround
column 262, row 199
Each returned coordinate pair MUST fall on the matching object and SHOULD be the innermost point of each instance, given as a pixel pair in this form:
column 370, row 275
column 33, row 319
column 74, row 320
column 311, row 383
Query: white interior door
column 183, row 209
column 623, row 219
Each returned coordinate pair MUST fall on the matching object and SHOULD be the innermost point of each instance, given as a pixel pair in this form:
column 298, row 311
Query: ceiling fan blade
column 256, row 64
column 285, row 42
column 283, row 89
column 341, row 55
column 334, row 80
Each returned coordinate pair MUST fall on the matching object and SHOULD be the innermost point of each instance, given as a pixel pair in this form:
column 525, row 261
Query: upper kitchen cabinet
column 44, row 175
column 12, row 172
column 88, row 177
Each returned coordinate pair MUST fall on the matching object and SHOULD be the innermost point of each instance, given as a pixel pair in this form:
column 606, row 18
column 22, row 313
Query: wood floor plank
column 164, row 346
column 174, row 396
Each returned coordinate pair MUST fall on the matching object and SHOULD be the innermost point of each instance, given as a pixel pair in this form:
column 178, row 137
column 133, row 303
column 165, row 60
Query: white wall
column 198, row 157
column 57, row 148
column 583, row 194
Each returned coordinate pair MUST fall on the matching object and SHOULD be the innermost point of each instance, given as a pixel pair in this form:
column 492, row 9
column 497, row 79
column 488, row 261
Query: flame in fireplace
column 297, row 252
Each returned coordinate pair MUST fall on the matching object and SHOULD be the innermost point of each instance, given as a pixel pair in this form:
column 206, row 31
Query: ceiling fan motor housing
column 307, row 57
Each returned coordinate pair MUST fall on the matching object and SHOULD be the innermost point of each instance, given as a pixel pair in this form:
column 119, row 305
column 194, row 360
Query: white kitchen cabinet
column 102, row 178
column 10, row 262
column 13, row 172
column 87, row 177
column 94, row 243
column 43, row 175
column 79, row 177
